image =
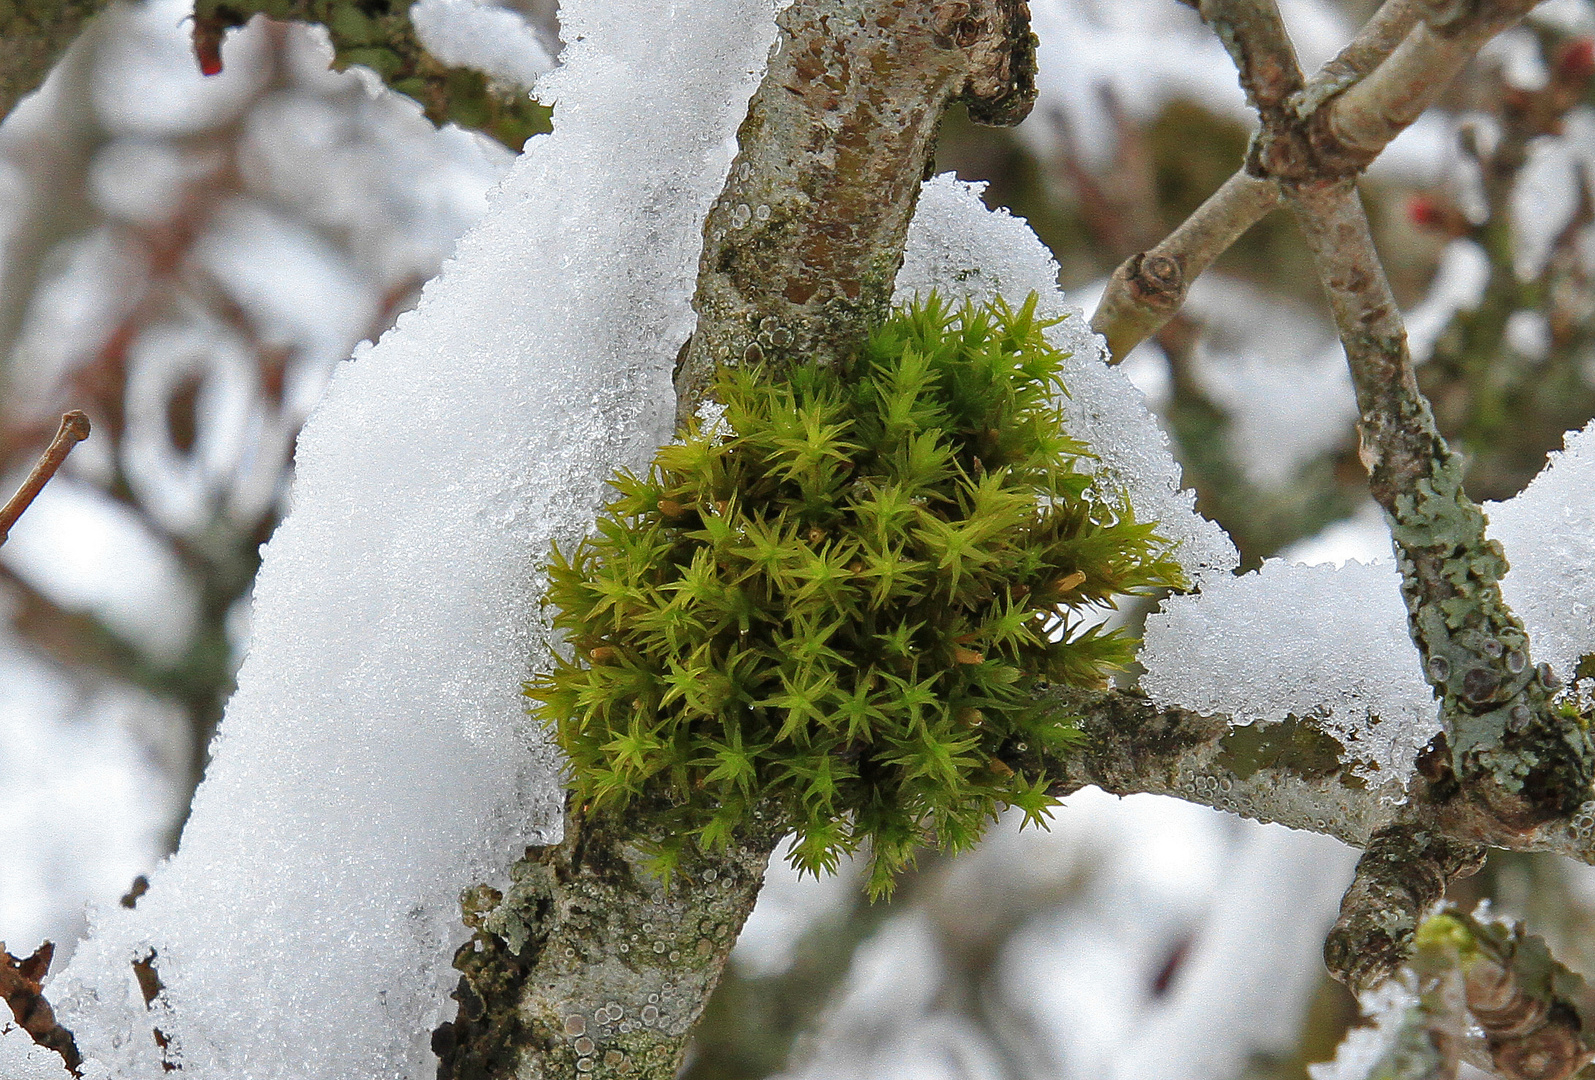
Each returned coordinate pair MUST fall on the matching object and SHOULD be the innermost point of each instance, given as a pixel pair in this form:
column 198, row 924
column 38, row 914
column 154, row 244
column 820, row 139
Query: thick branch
column 801, row 250
column 590, row 966
column 33, row 35
column 1290, row 772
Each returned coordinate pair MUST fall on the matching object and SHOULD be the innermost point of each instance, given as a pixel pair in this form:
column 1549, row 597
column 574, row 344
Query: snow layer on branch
column 961, row 249
column 377, row 756
column 1548, row 532
column 492, row 40
column 1332, row 645
column 1305, row 641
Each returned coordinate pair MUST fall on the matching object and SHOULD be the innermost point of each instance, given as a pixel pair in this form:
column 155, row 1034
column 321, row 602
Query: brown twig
column 20, row 989
column 1331, row 127
column 1148, row 289
column 74, row 429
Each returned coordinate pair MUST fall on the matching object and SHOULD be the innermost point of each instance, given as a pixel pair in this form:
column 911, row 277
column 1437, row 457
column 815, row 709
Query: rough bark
column 590, row 965
column 801, row 250
column 1510, row 762
column 33, row 35
column 1510, row 749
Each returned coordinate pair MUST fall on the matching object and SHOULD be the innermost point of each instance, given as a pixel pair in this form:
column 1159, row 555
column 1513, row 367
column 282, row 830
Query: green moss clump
column 841, row 606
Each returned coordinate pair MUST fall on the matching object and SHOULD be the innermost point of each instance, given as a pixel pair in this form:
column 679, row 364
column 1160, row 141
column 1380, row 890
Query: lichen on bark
column 589, row 964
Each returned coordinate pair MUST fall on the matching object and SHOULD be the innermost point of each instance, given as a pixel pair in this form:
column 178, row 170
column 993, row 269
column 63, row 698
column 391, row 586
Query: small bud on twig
column 74, row 429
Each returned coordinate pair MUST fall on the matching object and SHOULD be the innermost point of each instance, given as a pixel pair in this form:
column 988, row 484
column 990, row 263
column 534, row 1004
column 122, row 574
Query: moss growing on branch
column 840, row 600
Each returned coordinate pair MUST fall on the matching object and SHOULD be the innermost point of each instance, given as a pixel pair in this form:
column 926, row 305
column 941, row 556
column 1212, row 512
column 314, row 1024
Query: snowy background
column 191, row 259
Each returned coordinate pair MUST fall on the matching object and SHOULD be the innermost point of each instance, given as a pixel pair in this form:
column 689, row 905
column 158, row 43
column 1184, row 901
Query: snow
column 1305, row 641
column 1314, row 641
column 961, row 249
column 377, row 757
column 1548, row 531
column 473, row 34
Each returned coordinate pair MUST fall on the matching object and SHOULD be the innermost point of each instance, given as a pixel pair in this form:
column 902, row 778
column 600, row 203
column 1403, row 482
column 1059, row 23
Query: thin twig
column 74, row 429
column 1147, row 289
column 1359, row 123
column 1347, row 113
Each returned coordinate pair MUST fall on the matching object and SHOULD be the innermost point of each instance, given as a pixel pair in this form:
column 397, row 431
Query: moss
column 843, row 608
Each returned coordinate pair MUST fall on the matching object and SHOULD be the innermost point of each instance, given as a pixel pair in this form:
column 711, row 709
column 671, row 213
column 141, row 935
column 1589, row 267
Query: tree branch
column 1332, row 127
column 801, row 251
column 379, row 35
column 1510, row 749
column 1148, row 289
column 1358, row 124
column 74, row 429
column 33, row 35
column 803, row 246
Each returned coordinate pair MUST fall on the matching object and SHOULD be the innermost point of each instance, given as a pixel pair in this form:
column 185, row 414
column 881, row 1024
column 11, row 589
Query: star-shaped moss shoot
column 840, row 602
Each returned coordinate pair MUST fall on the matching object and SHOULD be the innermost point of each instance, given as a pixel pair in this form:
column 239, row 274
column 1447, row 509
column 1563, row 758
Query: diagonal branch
column 33, row 35
column 1334, row 126
column 74, row 429
column 1509, row 748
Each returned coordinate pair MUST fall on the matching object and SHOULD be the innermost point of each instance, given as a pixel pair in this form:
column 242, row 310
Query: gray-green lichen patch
column 589, row 965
